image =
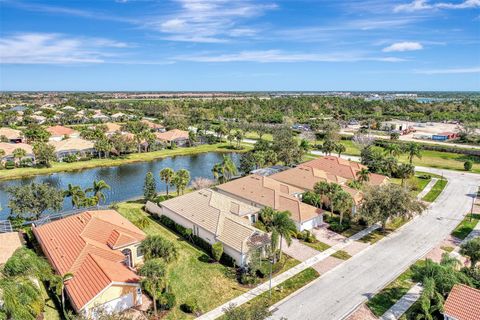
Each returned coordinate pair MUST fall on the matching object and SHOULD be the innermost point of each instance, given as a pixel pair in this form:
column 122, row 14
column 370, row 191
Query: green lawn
column 318, row 245
column 433, row 194
column 134, row 157
column 378, row 234
column 387, row 297
column 284, row 289
column 211, row 284
column 342, row 255
column 466, row 226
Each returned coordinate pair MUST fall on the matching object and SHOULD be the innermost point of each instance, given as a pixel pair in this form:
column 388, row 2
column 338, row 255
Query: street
column 339, row 292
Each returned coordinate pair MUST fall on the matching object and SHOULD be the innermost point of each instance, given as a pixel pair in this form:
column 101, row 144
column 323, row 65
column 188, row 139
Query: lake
column 126, row 181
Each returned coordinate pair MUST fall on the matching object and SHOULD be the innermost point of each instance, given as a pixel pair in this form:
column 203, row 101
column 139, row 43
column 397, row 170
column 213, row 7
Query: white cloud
column 450, row 71
column 419, row 5
column 403, row 46
column 269, row 56
column 53, row 48
column 208, row 21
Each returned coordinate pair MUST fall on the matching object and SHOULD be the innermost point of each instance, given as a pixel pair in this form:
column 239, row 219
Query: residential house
column 12, row 135
column 112, row 128
column 344, row 168
column 69, row 109
column 8, row 148
column 153, row 126
column 215, row 217
column 100, row 249
column 179, row 137
column 305, row 178
column 100, row 117
column 38, row 119
column 463, row 303
column 260, row 191
column 118, row 116
column 75, row 146
column 58, row 133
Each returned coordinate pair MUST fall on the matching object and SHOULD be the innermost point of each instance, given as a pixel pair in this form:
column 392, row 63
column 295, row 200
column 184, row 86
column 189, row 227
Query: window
column 139, row 252
column 253, row 218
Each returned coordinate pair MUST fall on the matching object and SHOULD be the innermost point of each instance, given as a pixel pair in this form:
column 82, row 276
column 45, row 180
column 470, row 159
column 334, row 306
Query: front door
column 128, row 257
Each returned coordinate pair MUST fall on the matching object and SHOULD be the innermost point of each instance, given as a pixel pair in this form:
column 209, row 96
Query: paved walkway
column 427, row 188
column 328, row 236
column 402, row 305
column 298, row 250
column 264, row 287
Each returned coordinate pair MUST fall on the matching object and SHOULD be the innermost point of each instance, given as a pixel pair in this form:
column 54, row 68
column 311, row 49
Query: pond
column 126, row 181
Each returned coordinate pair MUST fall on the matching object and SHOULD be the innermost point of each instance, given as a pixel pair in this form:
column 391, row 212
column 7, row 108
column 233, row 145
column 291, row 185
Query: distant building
column 153, row 126
column 444, row 136
column 58, row 133
column 463, row 303
column 179, row 137
column 8, row 148
column 12, row 135
column 72, row 146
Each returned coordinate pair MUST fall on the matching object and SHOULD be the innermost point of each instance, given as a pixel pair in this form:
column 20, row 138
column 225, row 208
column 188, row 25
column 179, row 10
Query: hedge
column 196, row 240
column 433, row 147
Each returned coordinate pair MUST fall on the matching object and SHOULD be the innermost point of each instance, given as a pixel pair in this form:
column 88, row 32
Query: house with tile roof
column 153, row 126
column 58, row 133
column 179, row 137
column 12, row 135
column 75, row 146
column 344, row 168
column 9, row 148
column 215, row 217
column 463, row 303
column 261, row 191
column 100, row 248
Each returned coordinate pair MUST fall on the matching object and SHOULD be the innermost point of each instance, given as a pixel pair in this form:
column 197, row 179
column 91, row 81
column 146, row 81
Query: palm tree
column 221, row 130
column 2, row 153
column 181, row 180
column 343, row 202
column 225, row 170
column 392, row 149
column 58, row 283
column 154, row 272
column 471, row 249
column 284, row 226
column 363, row 175
column 97, row 189
column 266, row 216
column 21, row 298
column 413, row 150
column 76, row 193
column 340, row 148
column 238, row 137
column 321, row 188
column 166, row 175
column 405, row 171
column 333, row 190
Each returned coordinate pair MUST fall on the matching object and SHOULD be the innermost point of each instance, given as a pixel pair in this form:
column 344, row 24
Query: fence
column 5, row 226
column 57, row 216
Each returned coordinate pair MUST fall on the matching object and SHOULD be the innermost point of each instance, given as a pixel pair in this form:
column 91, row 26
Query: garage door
column 118, row 305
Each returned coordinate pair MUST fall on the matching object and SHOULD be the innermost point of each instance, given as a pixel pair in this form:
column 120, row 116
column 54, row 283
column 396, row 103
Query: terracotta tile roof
column 84, row 245
column 9, row 147
column 152, row 125
column 342, row 168
column 172, row 135
column 60, row 131
column 213, row 212
column 463, row 303
column 10, row 133
column 72, row 144
column 268, row 192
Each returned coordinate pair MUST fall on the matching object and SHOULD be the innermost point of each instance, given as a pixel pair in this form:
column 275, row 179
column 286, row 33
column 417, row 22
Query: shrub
column 70, row 158
column 190, row 306
column 9, row 164
column 468, row 165
column 26, row 163
column 167, row 300
column 337, row 227
column 217, row 251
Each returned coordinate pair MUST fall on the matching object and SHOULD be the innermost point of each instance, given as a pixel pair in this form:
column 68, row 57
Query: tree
column 103, row 146
column 192, row 137
column 238, row 137
column 394, row 136
column 405, row 171
column 266, row 216
column 97, row 189
column 44, row 153
column 471, row 249
column 392, row 149
column 181, row 180
column 413, row 150
column 225, row 170
column 36, row 133
column 256, row 311
column 157, row 247
column 76, row 194
column 328, row 147
column 221, row 131
column 153, row 273
column 389, row 166
column 286, row 147
column 166, row 175
column 217, row 250
column 149, row 187
column 312, row 198
column 21, row 299
column 321, row 188
column 283, row 224
column 468, row 165
column 247, row 163
column 201, row 183
column 19, row 153
column 305, row 145
column 340, row 148
column 138, row 128
column 382, row 203
column 343, row 202
column 34, row 199
column 363, row 175
column 58, row 284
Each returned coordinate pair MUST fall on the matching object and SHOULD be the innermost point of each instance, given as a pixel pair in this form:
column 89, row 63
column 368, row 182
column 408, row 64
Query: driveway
column 342, row 290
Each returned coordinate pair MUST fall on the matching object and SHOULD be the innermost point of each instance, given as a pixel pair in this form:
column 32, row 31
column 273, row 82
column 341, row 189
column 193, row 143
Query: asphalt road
column 339, row 292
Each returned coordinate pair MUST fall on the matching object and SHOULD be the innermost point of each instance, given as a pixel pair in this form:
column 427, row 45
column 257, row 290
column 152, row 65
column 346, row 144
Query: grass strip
column 433, row 194
column 466, row 226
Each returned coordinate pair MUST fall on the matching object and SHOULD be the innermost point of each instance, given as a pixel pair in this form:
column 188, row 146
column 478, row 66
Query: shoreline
column 57, row 167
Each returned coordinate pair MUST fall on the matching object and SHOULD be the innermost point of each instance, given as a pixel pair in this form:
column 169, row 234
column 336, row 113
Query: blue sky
column 240, row 45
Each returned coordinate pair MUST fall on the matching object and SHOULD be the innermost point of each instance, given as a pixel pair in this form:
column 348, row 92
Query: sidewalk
column 264, row 287
column 427, row 188
column 402, row 305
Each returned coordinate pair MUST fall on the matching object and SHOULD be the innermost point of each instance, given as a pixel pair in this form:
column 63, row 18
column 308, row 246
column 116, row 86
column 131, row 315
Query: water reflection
column 126, row 180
